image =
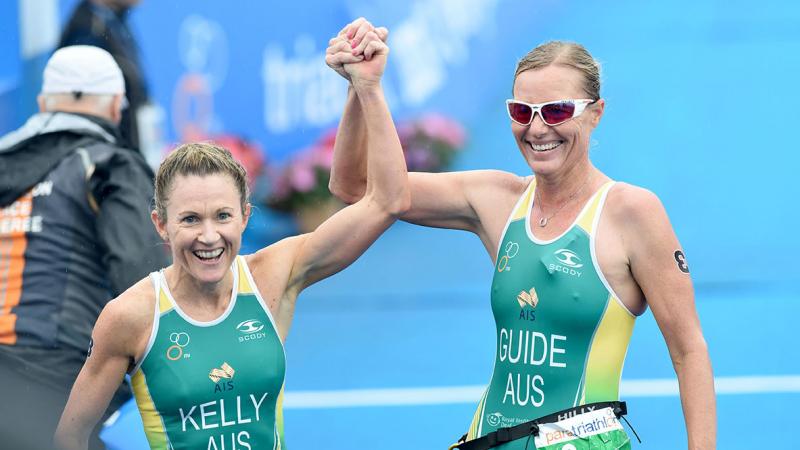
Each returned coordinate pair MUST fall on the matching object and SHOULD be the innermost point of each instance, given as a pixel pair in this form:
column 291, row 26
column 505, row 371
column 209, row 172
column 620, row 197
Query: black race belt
column 531, row 428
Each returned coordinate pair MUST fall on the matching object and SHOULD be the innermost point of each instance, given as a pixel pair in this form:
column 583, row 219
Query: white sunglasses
column 552, row 113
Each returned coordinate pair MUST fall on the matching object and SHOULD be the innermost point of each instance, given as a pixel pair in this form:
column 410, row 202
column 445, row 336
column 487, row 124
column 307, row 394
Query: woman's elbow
column 339, row 191
column 399, row 205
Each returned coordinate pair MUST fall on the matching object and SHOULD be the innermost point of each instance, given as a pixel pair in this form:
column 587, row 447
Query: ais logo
column 528, row 298
column 251, row 330
column 224, row 372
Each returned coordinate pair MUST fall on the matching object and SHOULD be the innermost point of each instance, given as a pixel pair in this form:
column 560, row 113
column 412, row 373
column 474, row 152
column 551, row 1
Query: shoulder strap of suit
column 589, row 216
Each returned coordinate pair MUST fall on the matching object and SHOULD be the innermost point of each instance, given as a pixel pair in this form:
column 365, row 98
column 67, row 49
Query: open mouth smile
column 545, row 147
column 208, row 255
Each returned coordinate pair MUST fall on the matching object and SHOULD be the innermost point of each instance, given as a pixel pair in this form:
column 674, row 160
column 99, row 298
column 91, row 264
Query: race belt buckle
column 500, row 436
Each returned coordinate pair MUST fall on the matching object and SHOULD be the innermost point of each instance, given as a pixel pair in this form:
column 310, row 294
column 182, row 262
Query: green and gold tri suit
column 562, row 333
column 212, row 385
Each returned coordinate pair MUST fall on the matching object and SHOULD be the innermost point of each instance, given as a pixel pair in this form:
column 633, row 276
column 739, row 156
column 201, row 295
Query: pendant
column 543, row 222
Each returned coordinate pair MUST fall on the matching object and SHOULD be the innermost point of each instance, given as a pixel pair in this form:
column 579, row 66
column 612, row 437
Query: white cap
column 82, row 68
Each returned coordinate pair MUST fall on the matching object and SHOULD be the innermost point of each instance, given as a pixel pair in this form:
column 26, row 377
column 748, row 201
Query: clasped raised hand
column 358, row 53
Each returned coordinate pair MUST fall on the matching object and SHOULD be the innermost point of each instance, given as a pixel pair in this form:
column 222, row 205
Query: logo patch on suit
column 225, row 371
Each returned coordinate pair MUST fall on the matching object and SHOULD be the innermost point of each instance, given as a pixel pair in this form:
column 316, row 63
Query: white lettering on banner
column 433, row 37
column 203, row 49
column 210, row 411
column 300, row 91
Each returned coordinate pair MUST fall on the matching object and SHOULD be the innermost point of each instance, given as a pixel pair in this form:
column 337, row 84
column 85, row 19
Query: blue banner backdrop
column 688, row 88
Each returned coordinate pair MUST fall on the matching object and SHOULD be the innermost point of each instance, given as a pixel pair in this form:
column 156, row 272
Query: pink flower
column 428, row 142
column 440, row 127
column 281, row 186
column 327, row 139
column 302, row 177
column 420, row 159
column 323, row 157
column 406, row 131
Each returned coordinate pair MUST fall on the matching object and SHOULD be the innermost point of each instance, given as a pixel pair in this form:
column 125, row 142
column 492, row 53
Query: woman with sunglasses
column 203, row 338
column 577, row 258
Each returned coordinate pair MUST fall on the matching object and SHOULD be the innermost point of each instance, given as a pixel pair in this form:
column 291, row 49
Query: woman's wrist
column 367, row 88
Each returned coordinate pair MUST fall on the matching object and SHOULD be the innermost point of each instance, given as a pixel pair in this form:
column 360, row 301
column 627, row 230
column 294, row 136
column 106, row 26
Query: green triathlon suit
column 562, row 333
column 212, row 385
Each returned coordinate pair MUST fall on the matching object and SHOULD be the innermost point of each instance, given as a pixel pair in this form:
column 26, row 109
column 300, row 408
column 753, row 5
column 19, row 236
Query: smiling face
column 204, row 225
column 552, row 150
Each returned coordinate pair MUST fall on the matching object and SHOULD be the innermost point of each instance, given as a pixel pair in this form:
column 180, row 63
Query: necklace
column 543, row 221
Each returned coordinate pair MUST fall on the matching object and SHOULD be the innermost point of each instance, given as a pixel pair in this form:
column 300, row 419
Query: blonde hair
column 199, row 158
column 568, row 54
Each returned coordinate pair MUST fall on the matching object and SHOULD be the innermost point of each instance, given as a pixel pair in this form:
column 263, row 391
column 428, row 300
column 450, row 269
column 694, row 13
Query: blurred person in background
column 74, row 232
column 577, row 258
column 104, row 24
column 203, row 338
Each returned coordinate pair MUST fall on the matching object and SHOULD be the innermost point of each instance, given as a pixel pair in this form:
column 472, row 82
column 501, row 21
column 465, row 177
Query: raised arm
column 445, row 200
column 349, row 171
column 347, row 234
column 660, row 269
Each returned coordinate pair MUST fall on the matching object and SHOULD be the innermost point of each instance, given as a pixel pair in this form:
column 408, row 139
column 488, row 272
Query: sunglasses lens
column 520, row 112
column 555, row 113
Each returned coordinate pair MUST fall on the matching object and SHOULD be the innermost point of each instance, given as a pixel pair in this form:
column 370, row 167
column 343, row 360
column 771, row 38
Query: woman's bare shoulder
column 635, row 207
column 500, row 179
column 495, row 186
column 629, row 198
column 131, row 312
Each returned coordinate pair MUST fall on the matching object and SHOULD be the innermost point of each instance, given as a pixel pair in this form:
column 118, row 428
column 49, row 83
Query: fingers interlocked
column 357, row 41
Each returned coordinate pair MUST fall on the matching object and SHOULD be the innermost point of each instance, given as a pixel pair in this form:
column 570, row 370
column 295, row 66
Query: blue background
column 702, row 108
column 701, row 96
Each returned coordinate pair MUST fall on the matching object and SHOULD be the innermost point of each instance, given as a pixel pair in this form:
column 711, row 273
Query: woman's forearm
column 349, row 169
column 696, row 381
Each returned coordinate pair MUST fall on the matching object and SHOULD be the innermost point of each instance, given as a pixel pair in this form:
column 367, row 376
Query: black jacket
column 100, row 26
column 75, row 231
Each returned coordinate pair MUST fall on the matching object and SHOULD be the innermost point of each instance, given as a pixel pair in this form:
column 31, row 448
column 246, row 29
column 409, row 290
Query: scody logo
column 250, row 326
column 250, row 330
column 569, row 263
